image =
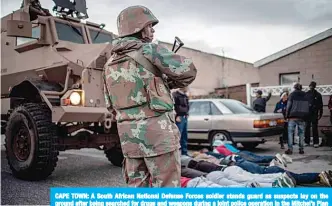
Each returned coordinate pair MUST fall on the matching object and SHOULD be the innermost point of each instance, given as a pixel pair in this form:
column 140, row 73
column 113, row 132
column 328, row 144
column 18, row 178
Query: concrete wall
column 211, row 68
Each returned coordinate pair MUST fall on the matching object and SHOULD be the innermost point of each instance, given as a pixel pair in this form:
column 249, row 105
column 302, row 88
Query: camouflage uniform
column 143, row 103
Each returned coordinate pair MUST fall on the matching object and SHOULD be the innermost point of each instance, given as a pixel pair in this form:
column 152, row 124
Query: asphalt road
column 89, row 167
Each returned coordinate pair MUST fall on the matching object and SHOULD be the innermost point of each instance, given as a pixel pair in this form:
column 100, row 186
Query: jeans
column 246, row 155
column 249, row 156
column 312, row 122
column 182, row 125
column 291, row 129
column 304, row 178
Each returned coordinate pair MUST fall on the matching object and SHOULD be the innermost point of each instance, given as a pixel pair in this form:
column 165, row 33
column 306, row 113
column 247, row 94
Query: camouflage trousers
column 159, row 171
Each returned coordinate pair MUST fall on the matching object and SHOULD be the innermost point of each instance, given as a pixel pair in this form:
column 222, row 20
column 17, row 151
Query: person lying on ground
column 225, row 148
column 204, row 182
column 233, row 175
column 325, row 177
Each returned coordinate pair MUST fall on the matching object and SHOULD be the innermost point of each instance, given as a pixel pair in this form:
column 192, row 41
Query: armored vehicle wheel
column 31, row 142
column 115, row 156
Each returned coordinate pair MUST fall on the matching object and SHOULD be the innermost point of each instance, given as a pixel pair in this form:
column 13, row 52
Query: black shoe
column 289, row 152
column 282, row 147
column 301, row 151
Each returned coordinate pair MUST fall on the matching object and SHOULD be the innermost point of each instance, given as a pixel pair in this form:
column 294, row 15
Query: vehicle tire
column 115, row 156
column 31, row 142
column 249, row 145
column 221, row 135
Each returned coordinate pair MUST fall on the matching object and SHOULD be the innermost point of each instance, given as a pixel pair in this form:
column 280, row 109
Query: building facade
column 215, row 71
column 309, row 60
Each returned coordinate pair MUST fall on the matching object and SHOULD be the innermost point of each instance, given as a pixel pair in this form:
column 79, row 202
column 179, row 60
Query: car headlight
column 75, row 98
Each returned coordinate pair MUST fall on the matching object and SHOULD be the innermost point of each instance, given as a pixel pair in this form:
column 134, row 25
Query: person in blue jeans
column 297, row 112
column 324, row 177
column 252, row 157
column 181, row 108
column 303, row 178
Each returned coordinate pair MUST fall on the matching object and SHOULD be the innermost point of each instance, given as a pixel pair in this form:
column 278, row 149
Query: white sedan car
column 231, row 120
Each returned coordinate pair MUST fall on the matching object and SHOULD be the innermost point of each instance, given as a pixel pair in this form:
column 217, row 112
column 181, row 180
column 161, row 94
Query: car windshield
column 100, row 37
column 237, row 107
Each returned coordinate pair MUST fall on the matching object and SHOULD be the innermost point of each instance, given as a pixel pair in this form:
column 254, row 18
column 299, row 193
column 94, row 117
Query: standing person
column 329, row 105
column 281, row 108
column 137, row 91
column 259, row 104
column 181, row 107
column 297, row 112
column 316, row 112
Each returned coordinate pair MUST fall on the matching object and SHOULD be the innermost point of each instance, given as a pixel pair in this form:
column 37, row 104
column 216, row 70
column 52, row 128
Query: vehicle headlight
column 75, row 98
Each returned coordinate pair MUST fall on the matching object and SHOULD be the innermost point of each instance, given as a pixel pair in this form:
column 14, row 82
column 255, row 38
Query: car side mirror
column 18, row 28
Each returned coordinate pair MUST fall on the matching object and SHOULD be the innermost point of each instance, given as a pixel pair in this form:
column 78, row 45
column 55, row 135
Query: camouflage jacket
column 143, row 101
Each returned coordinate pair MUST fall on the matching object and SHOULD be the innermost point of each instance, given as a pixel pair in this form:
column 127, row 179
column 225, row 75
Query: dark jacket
column 181, row 103
column 315, row 102
column 260, row 103
column 297, row 105
column 281, row 105
column 329, row 105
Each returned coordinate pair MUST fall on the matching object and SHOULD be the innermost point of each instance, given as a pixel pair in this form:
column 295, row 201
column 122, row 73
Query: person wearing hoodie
column 138, row 78
column 297, row 112
column 281, row 108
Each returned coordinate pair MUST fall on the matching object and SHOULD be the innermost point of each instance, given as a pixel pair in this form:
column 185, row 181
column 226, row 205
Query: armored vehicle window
column 69, row 33
column 100, row 38
column 35, row 35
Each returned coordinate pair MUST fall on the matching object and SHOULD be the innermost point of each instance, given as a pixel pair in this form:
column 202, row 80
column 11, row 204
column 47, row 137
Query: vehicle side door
column 199, row 121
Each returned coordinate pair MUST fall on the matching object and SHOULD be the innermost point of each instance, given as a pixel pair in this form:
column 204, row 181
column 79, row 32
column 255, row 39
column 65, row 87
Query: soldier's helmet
column 133, row 19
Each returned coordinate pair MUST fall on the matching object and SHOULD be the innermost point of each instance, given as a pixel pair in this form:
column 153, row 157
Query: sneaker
column 281, row 160
column 277, row 163
column 272, row 163
column 316, row 145
column 289, row 152
column 306, row 144
column 301, row 151
column 287, row 158
column 326, row 178
column 280, row 182
column 290, row 178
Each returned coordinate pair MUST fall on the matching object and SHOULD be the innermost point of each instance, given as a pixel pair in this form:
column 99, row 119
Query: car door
column 199, row 121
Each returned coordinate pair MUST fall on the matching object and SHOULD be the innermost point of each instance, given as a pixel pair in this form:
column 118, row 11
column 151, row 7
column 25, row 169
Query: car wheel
column 219, row 135
column 249, row 145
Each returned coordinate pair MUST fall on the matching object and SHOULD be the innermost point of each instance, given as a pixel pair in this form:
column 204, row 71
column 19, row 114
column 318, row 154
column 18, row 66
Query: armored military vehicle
column 52, row 87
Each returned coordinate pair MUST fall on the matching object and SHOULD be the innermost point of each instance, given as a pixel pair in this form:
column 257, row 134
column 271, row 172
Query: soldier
column 137, row 90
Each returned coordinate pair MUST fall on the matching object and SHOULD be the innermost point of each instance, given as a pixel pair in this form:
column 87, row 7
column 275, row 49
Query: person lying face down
column 325, row 177
column 204, row 182
column 232, row 176
column 226, row 148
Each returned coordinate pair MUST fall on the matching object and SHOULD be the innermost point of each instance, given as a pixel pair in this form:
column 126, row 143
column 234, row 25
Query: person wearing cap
column 316, row 113
column 259, row 104
column 297, row 113
column 138, row 78
column 281, row 108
